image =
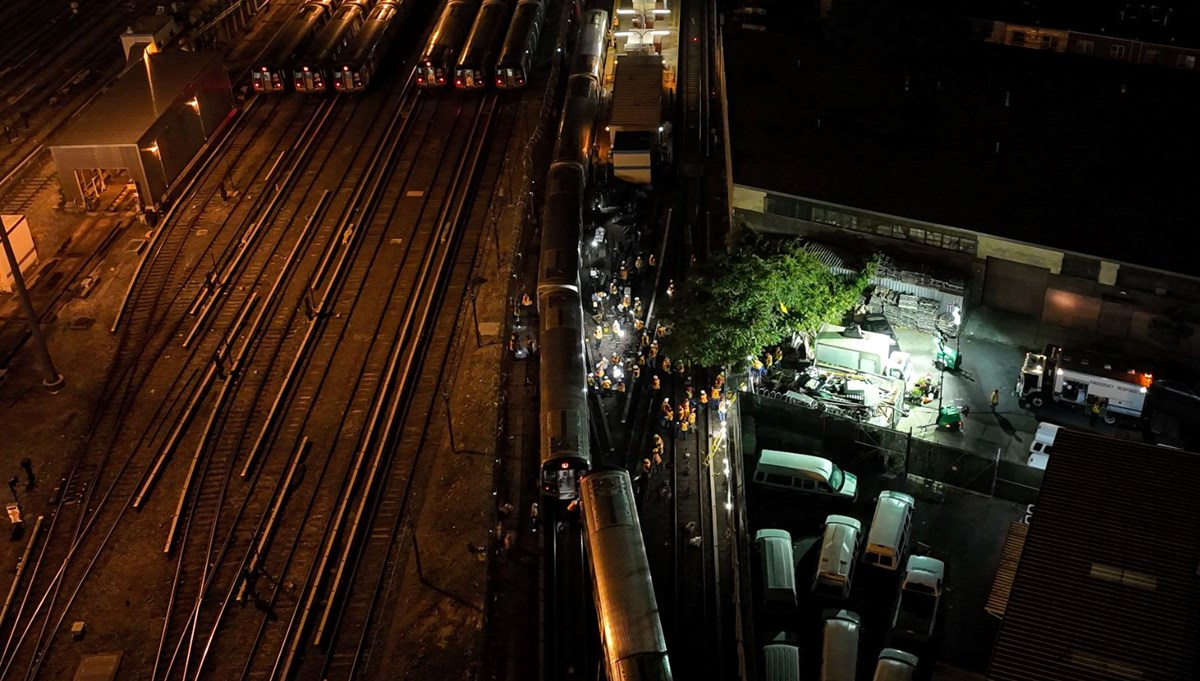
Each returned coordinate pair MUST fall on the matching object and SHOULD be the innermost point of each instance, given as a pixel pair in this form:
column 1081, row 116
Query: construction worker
column 769, row 359
column 670, row 288
column 637, row 307
column 666, row 405
column 624, row 274
column 641, row 360
column 720, row 382
column 598, row 334
column 995, row 399
column 666, row 365
column 653, row 349
column 637, row 370
column 658, row 441
column 650, row 260
column 513, row 342
column 655, row 383
column 679, row 369
column 606, row 384
column 658, row 460
column 687, row 390
column 526, row 300
column 638, row 324
column 778, row 353
column 530, row 346
column 646, row 469
column 716, row 394
column 703, row 398
column 638, row 264
column 620, row 386
column 612, row 287
column 691, row 419
column 1095, row 412
column 645, row 339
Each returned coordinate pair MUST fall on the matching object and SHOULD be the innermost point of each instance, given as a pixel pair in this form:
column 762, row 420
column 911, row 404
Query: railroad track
column 145, row 342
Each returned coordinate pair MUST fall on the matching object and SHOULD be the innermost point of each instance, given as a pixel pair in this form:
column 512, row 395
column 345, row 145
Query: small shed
column 148, row 125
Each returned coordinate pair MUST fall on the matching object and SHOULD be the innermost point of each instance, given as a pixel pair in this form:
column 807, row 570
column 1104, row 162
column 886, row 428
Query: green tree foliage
column 753, row 297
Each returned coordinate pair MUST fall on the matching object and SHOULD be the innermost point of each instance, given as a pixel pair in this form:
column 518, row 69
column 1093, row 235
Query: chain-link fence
column 787, row 423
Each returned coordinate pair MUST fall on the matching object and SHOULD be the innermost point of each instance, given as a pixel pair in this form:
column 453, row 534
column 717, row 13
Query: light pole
column 52, row 380
column 194, row 102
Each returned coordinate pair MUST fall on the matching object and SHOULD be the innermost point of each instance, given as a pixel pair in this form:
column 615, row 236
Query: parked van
column 839, row 549
column 781, row 658
column 895, row 665
column 1042, row 445
column 839, row 653
column 804, row 473
column 890, row 530
column 777, row 570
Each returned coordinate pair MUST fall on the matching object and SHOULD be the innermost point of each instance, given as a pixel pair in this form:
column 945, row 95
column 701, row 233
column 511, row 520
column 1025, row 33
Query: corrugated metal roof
column 1009, row 559
column 1107, row 585
column 124, row 113
column 637, row 93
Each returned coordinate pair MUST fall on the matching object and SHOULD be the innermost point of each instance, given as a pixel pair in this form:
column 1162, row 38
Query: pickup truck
column 920, row 595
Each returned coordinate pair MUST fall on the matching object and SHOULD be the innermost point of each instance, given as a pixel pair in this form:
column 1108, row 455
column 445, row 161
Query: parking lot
column 964, row 530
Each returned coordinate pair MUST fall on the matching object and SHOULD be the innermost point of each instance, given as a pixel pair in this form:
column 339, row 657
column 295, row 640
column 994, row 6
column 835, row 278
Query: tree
column 735, row 304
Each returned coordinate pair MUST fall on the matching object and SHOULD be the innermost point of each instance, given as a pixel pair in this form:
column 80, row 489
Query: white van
column 839, row 549
column 776, row 571
column 804, row 473
column 1042, row 445
column 895, row 665
column 890, row 530
column 839, row 653
column 781, row 658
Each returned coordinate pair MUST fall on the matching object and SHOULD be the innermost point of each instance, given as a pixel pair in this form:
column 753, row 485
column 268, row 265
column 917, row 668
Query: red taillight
column 520, row 81
column 441, row 80
column 458, row 82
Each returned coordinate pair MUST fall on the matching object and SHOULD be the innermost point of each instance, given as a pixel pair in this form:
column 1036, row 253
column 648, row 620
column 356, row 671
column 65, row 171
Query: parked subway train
column 631, row 630
column 520, row 44
column 565, row 451
column 440, row 55
column 270, row 70
column 354, row 69
column 478, row 58
column 312, row 65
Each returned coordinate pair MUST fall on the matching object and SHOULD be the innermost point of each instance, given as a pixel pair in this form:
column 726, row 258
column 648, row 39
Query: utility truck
column 1081, row 379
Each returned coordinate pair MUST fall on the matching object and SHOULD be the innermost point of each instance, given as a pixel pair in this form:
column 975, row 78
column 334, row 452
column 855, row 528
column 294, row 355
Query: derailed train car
column 631, row 632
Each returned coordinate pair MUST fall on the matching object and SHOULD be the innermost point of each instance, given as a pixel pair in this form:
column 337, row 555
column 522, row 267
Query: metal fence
column 785, row 421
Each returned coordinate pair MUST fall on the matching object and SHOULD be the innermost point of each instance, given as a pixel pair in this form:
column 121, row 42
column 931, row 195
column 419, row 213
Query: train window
column 779, row 479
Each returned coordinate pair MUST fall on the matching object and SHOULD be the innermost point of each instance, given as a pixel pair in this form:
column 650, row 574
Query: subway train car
column 591, row 45
column 440, row 55
column 355, row 68
column 565, row 447
column 478, row 58
column 631, row 632
column 520, row 44
column 269, row 72
column 563, row 394
column 312, row 66
column 578, row 122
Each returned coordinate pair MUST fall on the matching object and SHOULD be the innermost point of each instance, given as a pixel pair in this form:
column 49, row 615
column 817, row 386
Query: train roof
column 322, row 47
column 491, row 20
column 452, row 20
column 624, row 590
column 381, row 24
column 517, row 37
column 293, row 33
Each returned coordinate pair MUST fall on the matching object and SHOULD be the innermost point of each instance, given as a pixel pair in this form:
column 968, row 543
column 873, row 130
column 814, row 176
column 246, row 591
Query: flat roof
column 637, row 92
column 1082, row 166
column 1106, row 586
column 123, row 114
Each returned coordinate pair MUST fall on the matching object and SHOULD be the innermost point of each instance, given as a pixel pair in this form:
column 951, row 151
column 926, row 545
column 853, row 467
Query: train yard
column 271, row 412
